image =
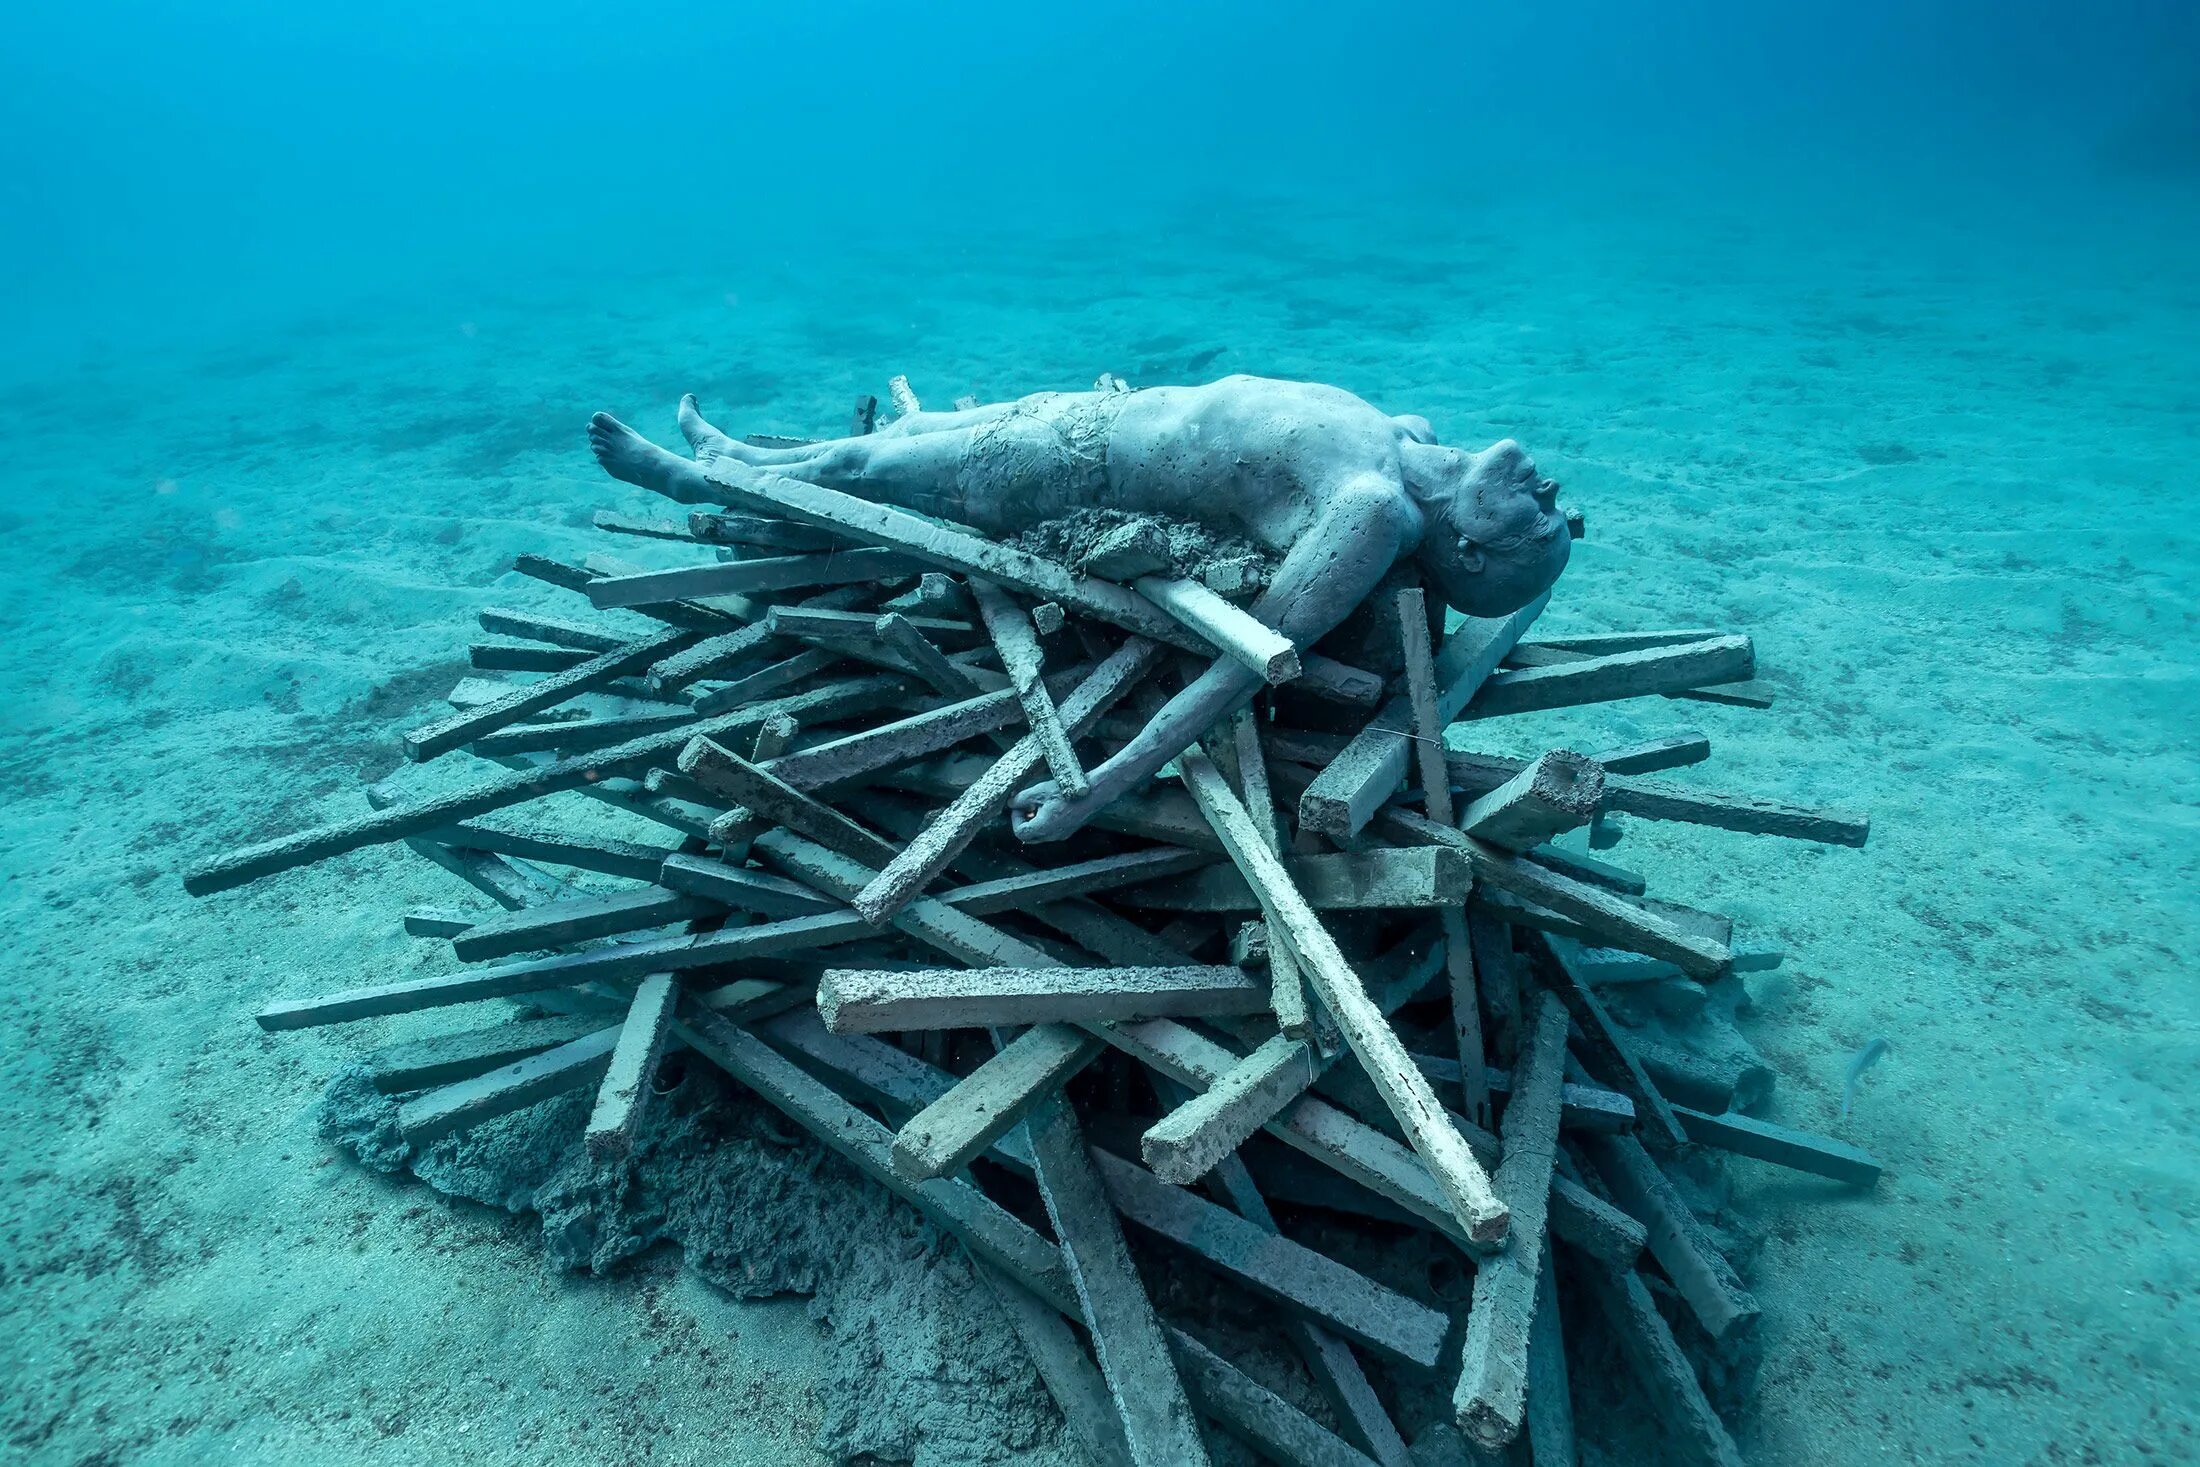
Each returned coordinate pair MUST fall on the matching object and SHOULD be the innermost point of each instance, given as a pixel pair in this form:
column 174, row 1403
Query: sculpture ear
column 1416, row 428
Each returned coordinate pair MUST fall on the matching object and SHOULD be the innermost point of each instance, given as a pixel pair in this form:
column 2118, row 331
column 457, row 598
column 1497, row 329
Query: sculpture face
column 1495, row 539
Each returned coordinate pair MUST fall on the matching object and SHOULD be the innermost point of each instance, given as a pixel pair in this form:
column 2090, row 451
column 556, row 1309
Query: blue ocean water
column 1872, row 330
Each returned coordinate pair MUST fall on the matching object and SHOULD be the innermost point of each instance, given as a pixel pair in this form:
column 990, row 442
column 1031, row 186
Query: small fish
column 1865, row 1058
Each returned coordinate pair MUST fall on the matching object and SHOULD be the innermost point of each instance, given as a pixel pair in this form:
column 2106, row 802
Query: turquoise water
column 1873, row 332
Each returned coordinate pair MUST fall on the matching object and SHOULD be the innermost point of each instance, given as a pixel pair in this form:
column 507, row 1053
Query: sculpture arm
column 1330, row 570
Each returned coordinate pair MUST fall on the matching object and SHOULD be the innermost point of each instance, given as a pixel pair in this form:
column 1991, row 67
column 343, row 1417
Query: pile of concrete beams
column 1329, row 970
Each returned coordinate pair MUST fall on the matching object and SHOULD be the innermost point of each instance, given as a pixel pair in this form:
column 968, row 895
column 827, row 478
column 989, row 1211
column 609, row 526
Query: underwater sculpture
column 1336, row 960
column 1338, row 489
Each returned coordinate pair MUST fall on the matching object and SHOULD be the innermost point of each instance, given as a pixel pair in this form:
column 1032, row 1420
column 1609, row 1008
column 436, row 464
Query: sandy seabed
column 1943, row 473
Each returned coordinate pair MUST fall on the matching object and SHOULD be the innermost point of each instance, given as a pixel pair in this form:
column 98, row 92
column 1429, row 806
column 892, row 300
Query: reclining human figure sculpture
column 1338, row 490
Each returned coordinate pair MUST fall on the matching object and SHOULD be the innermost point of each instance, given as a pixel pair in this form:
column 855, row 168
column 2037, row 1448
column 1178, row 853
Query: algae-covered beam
column 1242, row 1095
column 555, row 630
column 1657, row 800
column 1693, row 1431
column 1377, row 879
column 631, row 859
column 999, row 1239
column 1615, row 921
column 1799, row 1150
column 1328, row 1358
column 1249, row 765
column 764, row 794
column 465, row 1103
column 758, row 533
column 421, row 1064
column 1648, row 756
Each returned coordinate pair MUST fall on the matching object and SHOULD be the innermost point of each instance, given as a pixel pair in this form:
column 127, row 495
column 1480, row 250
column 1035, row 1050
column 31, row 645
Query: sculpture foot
column 706, row 440
column 629, row 457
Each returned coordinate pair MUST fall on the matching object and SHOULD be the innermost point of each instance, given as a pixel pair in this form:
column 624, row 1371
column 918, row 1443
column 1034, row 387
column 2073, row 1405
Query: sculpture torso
column 1245, row 455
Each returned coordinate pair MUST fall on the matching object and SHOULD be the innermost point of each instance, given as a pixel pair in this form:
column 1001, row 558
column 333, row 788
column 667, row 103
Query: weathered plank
column 421, row 1064
column 736, row 577
column 398, row 821
column 634, row 1058
column 1404, row 1088
column 1248, row 763
column 1329, row 1360
column 1799, row 1150
column 578, row 919
column 1615, row 921
column 987, row 798
column 1554, row 794
column 766, row 795
column 1347, row 792
column 1648, row 756
column 1641, row 673
column 630, row 859
column 872, row 1000
column 1550, row 1399
column 1428, row 749
column 1239, row 1096
column 1186, row 1143
column 1236, row 633
column 1490, row 1399
column 1127, row 1337
column 1659, row 800
column 572, row 735
column 1309, row 1285
column 1078, row 1388
column 1017, row 642
column 1693, row 1430
column 1682, row 1246
column 515, row 1086
column 1377, row 879
column 446, row 734
column 1605, row 1050
column 765, row 681
column 990, row 1232
column 520, row 657
column 555, row 630
column 741, row 888
column 758, row 532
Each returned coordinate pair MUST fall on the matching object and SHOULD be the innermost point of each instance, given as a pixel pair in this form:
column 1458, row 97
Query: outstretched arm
column 1329, row 572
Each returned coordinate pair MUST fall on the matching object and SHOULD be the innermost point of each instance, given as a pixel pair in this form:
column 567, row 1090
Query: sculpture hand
column 1044, row 813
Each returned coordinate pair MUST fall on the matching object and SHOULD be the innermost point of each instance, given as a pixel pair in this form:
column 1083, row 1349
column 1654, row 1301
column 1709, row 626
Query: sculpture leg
column 917, row 473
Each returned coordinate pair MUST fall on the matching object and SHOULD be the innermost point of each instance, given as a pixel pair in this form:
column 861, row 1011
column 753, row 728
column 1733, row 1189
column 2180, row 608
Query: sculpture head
column 1495, row 539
